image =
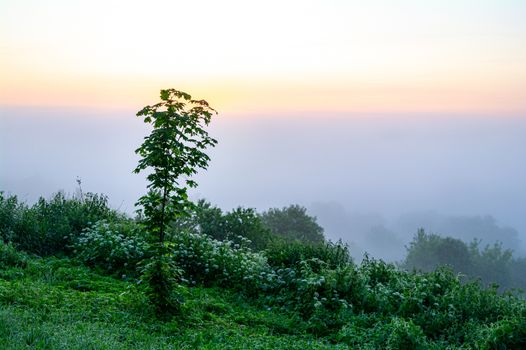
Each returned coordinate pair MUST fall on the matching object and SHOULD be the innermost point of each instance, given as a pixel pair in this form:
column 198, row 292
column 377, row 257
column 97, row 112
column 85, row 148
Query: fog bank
column 370, row 179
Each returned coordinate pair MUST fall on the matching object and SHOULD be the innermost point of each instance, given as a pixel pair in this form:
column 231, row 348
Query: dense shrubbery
column 9, row 256
column 289, row 224
column 371, row 305
column 368, row 305
column 208, row 261
column 115, row 247
column 282, row 253
column 48, row 226
column 241, row 225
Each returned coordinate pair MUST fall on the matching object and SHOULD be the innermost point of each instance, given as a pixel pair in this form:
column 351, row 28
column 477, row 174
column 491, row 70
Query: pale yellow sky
column 273, row 56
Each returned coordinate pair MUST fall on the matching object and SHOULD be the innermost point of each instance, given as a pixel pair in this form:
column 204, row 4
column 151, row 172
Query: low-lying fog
column 370, row 180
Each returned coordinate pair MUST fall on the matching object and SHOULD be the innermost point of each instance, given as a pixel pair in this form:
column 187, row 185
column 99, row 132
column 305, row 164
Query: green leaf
column 165, row 94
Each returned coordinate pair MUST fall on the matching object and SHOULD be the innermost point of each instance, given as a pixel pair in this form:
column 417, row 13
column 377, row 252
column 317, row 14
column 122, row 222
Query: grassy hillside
column 70, row 278
column 57, row 304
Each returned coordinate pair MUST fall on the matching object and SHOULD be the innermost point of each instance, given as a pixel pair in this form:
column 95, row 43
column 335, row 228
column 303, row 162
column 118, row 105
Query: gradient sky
column 268, row 56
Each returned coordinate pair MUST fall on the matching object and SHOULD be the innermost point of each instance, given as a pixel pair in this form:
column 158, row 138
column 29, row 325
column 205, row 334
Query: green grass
column 57, row 304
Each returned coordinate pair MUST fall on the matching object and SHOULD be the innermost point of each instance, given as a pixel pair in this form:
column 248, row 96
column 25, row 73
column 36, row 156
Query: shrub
column 9, row 256
column 281, row 253
column 404, row 335
column 19, row 224
column 378, row 332
column 10, row 211
column 47, row 227
column 241, row 225
column 223, row 263
column 114, row 246
column 509, row 333
column 246, row 223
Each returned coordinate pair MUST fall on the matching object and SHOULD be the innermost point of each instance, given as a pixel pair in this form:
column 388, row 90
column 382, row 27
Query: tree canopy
column 294, row 223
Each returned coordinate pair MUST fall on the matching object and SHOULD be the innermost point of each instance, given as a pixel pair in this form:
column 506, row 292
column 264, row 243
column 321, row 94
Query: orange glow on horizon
column 276, row 97
column 437, row 56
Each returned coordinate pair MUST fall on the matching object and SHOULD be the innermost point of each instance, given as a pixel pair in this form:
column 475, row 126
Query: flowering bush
column 225, row 263
column 114, row 246
column 374, row 301
column 302, row 289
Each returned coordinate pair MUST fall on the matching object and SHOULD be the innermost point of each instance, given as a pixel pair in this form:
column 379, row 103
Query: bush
column 205, row 219
column 10, row 212
column 241, row 225
column 231, row 265
column 114, row 246
column 378, row 332
column 9, row 256
column 47, row 227
column 404, row 335
column 281, row 253
column 505, row 334
column 407, row 310
column 223, row 263
column 246, row 223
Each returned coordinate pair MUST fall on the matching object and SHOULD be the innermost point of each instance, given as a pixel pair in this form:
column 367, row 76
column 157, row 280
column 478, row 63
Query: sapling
column 172, row 153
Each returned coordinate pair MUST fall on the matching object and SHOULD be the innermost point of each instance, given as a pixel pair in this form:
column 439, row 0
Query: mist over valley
column 371, row 180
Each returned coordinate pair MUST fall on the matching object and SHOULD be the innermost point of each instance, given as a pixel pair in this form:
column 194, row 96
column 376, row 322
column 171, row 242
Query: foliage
column 518, row 273
column 241, row 225
column 221, row 263
column 505, row 334
column 162, row 288
column 11, row 211
column 206, row 219
column 281, row 253
column 314, row 297
column 293, row 223
column 173, row 152
column 428, row 251
column 9, row 256
column 116, row 247
column 56, row 304
column 407, row 310
column 389, row 333
column 48, row 227
column 258, row 229
column 246, row 223
column 491, row 265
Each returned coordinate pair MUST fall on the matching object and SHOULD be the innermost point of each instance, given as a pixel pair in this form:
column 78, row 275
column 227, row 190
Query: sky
column 366, row 112
column 268, row 56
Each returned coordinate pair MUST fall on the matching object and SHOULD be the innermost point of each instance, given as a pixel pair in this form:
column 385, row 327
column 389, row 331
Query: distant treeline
column 491, row 265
